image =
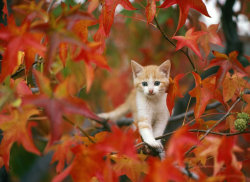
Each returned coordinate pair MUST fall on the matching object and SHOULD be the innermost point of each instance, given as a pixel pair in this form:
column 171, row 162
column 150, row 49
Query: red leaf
column 125, row 146
column 150, row 10
column 180, row 142
column 226, row 63
column 21, row 88
column 173, row 91
column 185, row 5
column 62, row 152
column 190, row 40
column 225, row 150
column 204, row 91
column 18, row 38
column 158, row 171
column 108, row 12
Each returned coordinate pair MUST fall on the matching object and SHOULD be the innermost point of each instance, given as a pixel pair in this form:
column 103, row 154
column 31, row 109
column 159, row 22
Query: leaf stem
column 166, row 37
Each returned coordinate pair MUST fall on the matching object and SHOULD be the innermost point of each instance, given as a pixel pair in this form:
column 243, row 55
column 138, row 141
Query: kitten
column 147, row 102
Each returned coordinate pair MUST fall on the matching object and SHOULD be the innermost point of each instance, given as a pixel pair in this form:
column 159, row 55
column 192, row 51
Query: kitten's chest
column 152, row 105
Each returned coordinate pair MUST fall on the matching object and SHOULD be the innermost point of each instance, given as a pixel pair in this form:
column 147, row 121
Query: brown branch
column 166, row 37
column 79, row 128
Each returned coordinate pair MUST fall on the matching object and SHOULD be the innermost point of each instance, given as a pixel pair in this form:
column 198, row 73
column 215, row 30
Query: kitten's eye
column 157, row 83
column 144, row 84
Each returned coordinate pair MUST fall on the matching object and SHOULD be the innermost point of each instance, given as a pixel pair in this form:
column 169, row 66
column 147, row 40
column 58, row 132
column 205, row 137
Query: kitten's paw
column 108, row 116
column 155, row 144
column 104, row 115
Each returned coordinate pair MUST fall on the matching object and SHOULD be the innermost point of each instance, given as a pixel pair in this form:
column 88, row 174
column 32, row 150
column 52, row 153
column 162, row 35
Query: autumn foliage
column 63, row 63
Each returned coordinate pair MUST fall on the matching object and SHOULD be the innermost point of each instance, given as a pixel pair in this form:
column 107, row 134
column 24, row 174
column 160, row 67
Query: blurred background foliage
column 131, row 38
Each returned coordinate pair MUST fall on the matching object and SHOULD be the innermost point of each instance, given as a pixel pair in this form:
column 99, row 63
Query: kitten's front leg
column 146, row 133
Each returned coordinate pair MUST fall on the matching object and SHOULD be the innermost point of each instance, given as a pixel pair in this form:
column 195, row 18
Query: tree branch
column 166, row 37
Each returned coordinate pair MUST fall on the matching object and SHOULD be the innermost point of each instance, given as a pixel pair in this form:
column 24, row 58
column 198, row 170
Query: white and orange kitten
column 147, row 102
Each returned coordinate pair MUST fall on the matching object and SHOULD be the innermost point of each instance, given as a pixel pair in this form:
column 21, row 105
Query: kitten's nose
column 150, row 91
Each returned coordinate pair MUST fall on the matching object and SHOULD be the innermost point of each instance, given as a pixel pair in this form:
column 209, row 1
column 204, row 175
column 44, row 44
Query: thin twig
column 79, row 128
column 166, row 37
column 219, row 133
column 50, row 5
column 216, row 124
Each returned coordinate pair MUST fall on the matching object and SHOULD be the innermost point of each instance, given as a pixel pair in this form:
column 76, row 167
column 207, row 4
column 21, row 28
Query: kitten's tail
column 120, row 111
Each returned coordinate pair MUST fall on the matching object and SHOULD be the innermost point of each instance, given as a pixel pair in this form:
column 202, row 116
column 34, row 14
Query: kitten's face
column 151, row 80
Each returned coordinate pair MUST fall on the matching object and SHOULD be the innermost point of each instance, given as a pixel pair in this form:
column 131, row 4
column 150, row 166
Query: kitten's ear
column 165, row 67
column 136, row 68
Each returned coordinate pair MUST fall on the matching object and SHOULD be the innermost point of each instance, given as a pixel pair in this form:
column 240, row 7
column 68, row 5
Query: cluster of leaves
column 58, row 53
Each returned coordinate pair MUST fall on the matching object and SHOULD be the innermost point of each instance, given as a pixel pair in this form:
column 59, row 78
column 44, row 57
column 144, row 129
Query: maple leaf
column 185, row 5
column 226, row 63
column 173, row 92
column 16, row 129
column 62, row 152
column 179, row 144
column 221, row 149
column 233, row 84
column 108, row 12
column 18, row 38
column 190, row 40
column 204, row 91
column 32, row 10
column 92, row 56
column 57, row 104
column 150, row 10
column 211, row 36
column 89, row 163
column 125, row 146
column 157, row 171
column 130, row 167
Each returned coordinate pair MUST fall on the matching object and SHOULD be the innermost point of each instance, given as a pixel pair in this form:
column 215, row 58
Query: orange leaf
column 16, row 128
column 173, row 91
column 185, row 5
column 226, row 63
column 133, row 168
column 190, row 40
column 211, row 36
column 233, row 84
column 204, row 91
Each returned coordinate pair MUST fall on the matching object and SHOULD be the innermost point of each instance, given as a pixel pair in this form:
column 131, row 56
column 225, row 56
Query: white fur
column 153, row 108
